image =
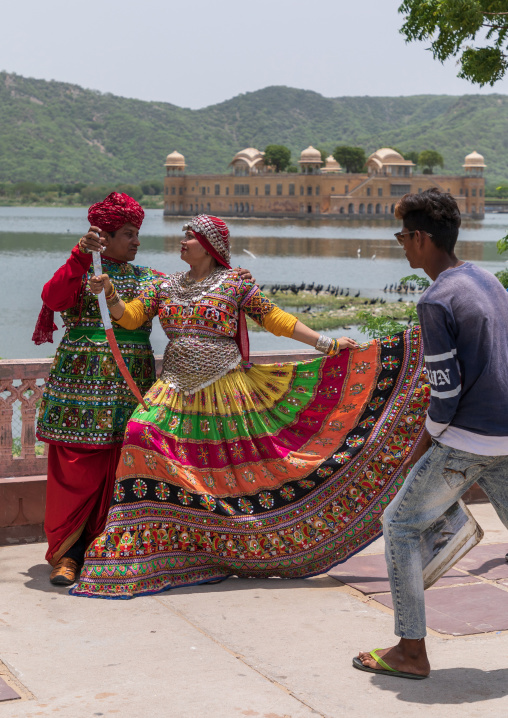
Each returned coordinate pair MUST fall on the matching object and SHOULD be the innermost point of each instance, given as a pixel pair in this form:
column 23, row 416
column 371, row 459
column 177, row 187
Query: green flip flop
column 385, row 669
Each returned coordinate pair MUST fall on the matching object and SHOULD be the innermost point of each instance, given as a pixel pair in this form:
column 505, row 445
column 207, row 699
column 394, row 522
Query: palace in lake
column 252, row 189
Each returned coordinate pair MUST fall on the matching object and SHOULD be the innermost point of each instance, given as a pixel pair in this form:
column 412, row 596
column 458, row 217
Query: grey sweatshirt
column 464, row 320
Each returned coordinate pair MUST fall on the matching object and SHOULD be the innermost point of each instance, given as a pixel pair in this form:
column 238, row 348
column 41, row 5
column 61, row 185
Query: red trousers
column 78, row 495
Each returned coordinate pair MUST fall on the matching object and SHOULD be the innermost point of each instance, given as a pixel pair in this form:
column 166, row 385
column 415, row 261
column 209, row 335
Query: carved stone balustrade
column 21, row 381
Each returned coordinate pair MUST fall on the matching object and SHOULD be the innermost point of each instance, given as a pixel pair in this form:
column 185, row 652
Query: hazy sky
column 195, row 53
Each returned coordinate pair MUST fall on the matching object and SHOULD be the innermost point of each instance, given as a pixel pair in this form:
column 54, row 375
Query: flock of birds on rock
column 319, row 289
column 408, row 288
column 316, row 288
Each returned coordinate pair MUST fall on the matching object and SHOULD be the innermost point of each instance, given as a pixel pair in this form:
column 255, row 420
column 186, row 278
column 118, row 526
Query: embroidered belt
column 97, row 335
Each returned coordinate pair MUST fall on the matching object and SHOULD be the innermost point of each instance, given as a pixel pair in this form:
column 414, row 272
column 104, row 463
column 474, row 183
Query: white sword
column 110, row 334
column 97, row 268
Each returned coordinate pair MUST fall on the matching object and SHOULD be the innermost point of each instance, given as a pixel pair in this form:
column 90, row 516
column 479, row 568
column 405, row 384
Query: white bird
column 249, row 253
column 358, row 251
column 373, row 256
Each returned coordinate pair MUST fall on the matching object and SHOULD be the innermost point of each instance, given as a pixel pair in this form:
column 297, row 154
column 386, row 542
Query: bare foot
column 409, row 656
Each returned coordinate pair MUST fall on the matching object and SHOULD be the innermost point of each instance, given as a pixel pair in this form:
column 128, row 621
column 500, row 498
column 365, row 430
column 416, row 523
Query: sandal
column 385, row 669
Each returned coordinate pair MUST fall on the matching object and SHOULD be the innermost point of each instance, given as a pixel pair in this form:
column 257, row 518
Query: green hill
column 56, row 132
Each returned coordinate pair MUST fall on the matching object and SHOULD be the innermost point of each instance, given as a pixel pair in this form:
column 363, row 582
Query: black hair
column 434, row 212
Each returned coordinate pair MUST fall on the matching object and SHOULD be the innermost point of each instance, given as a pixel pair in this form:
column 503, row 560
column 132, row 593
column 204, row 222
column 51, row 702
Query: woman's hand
column 97, row 284
column 92, row 241
column 343, row 343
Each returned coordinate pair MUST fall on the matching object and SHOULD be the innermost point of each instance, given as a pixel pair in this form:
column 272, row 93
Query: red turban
column 115, row 211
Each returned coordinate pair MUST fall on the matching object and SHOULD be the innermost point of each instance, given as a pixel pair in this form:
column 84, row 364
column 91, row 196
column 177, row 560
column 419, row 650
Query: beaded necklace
column 185, row 290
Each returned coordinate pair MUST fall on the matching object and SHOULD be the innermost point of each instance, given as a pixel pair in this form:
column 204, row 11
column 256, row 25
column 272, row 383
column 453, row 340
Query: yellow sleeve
column 134, row 315
column 279, row 322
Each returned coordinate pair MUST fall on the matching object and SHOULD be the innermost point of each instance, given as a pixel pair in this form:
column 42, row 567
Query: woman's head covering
column 213, row 235
column 115, row 211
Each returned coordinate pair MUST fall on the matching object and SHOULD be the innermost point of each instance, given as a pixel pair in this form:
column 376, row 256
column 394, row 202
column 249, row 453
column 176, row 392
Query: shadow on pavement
column 233, row 583
column 452, row 686
column 38, row 576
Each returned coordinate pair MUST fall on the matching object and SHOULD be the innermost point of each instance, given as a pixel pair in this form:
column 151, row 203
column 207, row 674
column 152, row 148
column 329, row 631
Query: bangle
column 334, row 349
column 112, row 292
column 323, row 344
column 114, row 302
column 113, row 299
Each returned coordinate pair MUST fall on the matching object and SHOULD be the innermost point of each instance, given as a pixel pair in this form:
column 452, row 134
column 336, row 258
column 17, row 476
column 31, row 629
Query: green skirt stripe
column 97, row 335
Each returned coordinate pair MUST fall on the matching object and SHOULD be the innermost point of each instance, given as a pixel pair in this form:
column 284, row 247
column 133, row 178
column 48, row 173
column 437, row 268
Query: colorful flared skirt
column 273, row 470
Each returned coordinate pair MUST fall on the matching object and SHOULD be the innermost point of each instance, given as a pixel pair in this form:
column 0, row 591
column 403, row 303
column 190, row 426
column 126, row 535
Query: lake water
column 359, row 255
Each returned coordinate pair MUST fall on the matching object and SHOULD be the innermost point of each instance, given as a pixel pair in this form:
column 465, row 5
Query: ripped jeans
column 436, row 481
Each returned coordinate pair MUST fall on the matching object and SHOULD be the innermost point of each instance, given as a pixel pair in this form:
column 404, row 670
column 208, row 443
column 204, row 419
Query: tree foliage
column 452, row 26
column 503, row 277
column 352, row 159
column 56, row 132
column 428, row 159
column 278, row 156
column 412, row 155
column 324, row 154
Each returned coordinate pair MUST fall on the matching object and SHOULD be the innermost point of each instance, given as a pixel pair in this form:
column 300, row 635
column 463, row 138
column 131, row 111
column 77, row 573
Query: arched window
column 341, row 210
column 361, row 208
column 392, row 209
column 369, row 208
column 241, row 206
column 351, row 208
column 208, row 207
column 378, row 208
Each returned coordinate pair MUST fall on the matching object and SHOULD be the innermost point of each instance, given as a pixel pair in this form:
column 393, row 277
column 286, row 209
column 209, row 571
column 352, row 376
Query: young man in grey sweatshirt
column 464, row 322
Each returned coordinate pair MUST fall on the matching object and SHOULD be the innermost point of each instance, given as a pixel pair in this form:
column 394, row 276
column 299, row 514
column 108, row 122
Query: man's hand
column 245, row 275
column 92, row 241
column 423, row 445
column 97, row 284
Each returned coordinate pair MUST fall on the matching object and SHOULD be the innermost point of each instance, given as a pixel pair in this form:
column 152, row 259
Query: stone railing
column 21, row 387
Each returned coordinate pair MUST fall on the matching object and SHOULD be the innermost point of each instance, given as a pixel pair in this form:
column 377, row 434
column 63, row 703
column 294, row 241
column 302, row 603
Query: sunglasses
column 400, row 236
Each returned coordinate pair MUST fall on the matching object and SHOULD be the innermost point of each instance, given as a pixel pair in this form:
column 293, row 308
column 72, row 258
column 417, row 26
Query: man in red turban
column 86, row 401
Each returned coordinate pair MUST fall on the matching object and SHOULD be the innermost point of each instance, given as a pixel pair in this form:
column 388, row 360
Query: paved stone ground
column 265, row 649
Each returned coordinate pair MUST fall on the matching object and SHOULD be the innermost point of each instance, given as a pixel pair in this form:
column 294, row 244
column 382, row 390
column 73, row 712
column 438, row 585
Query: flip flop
column 385, row 669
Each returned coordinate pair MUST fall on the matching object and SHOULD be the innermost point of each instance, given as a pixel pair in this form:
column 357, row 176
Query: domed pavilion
column 474, row 164
column 174, row 164
column 310, row 161
column 249, row 161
